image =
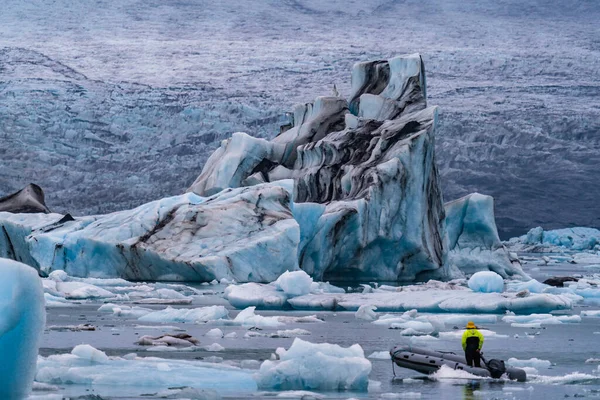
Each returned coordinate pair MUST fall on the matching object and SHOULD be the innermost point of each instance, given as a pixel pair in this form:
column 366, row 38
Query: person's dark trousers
column 473, row 358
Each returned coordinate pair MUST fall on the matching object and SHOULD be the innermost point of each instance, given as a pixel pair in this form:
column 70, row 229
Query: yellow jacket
column 470, row 333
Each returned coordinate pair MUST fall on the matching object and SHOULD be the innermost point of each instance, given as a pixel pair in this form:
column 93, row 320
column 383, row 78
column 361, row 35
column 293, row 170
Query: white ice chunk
column 294, row 283
column 186, row 315
column 486, row 282
column 366, row 312
column 312, row 366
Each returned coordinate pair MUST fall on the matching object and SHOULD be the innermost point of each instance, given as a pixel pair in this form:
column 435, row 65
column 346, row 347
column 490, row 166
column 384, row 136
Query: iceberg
column 22, row 321
column 310, row 366
column 370, row 214
column 245, row 234
column 472, row 237
column 186, row 315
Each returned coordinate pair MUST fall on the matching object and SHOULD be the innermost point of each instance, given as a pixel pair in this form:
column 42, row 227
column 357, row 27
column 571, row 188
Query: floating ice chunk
column 87, row 352
column 294, row 283
column 543, row 319
column 214, row 347
column 590, row 313
column 486, row 282
column 312, row 366
column 457, row 334
column 592, row 361
column 186, row 315
column 247, row 317
column 578, row 238
column 366, row 312
column 380, row 355
column 449, row 301
column 255, row 294
column 532, row 285
column 300, row 394
column 22, row 320
column 532, row 362
column 214, row 333
column 231, row 335
column 116, row 372
column 400, row 395
column 188, row 393
column 181, row 339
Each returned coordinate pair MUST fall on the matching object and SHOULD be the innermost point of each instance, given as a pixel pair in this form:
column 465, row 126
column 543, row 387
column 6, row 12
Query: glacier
column 22, row 321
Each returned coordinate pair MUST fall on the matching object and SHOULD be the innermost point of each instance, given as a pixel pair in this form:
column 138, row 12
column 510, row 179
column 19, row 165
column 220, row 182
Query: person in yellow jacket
column 472, row 342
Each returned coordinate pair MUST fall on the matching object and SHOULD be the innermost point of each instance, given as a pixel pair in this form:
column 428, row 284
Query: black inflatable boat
column 429, row 361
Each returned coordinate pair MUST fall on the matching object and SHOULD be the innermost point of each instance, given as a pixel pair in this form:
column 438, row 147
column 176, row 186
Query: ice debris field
column 143, row 338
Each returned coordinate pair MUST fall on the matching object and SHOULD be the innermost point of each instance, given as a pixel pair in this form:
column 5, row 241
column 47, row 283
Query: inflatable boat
column 429, row 361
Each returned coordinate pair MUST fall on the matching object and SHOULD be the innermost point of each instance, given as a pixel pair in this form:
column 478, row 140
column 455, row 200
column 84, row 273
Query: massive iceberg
column 473, row 241
column 22, row 320
column 366, row 190
column 349, row 192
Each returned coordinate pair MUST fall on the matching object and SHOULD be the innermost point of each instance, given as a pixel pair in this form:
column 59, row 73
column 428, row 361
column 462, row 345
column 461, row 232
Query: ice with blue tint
column 423, row 299
column 22, row 320
column 486, row 282
column 186, row 315
column 296, row 283
column 472, row 238
column 245, row 234
column 276, row 294
column 86, row 365
column 312, row 366
column 574, row 239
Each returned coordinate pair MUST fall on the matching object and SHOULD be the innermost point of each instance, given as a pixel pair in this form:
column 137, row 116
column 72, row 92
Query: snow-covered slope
column 108, row 105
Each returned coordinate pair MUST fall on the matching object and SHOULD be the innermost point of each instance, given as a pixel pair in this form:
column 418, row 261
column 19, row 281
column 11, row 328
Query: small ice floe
column 486, row 282
column 276, row 294
column 214, row 347
column 86, row 365
column 320, row 366
column 293, row 394
column 400, row 395
column 185, row 393
column 366, row 312
column 72, row 328
column 537, row 320
column 590, row 313
column 287, row 333
column 186, row 315
column 592, row 361
column 176, row 339
column 214, row 333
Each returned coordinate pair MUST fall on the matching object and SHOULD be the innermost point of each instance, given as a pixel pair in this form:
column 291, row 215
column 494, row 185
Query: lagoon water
column 567, row 347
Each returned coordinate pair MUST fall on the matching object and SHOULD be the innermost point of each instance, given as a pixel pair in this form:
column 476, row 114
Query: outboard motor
column 496, row 368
